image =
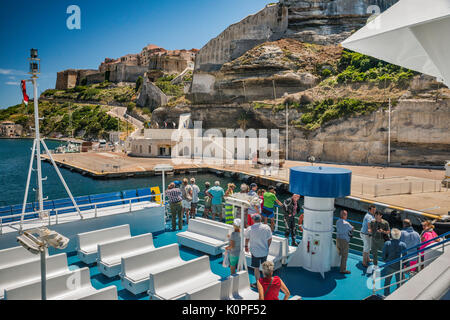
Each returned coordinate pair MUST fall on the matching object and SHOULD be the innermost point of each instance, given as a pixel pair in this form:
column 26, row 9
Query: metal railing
column 91, row 206
column 406, row 272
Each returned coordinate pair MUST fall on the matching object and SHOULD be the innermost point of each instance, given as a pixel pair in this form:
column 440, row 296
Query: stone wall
column 70, row 78
column 151, row 96
column 267, row 25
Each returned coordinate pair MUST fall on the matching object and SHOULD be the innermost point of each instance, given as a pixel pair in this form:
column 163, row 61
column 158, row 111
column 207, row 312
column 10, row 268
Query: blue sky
column 109, row 28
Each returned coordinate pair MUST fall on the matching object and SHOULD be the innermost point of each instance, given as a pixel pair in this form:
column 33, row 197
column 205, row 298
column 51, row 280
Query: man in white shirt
column 194, row 202
column 259, row 236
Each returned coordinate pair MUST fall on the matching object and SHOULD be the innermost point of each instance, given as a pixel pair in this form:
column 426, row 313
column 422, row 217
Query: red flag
column 24, row 92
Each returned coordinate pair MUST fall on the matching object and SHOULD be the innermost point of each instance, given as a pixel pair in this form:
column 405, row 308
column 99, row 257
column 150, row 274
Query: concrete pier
column 417, row 191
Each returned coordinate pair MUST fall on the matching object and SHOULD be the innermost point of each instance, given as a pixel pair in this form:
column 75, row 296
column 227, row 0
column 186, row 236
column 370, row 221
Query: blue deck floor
column 308, row 285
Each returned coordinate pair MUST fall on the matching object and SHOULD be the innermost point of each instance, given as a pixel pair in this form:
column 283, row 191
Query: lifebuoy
column 300, row 222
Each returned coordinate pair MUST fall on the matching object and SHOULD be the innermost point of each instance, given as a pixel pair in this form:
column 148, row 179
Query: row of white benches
column 20, row 278
column 160, row 271
column 211, row 237
column 143, row 268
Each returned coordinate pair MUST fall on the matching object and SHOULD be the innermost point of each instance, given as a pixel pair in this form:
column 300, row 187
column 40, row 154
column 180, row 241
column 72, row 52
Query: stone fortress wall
column 129, row 67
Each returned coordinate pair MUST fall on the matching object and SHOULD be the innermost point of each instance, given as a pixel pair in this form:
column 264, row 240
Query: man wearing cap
column 392, row 250
column 258, row 238
column 379, row 230
column 253, row 189
column 291, row 208
column 234, row 248
column 255, row 206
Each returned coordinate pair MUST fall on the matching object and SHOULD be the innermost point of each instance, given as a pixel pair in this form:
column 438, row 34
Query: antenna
column 35, row 69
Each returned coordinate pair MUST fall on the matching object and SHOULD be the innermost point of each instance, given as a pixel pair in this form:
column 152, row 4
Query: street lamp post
column 389, row 133
column 287, row 126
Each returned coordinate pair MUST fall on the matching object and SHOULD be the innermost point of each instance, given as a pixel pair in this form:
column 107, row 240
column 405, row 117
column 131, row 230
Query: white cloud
column 12, row 72
column 12, row 83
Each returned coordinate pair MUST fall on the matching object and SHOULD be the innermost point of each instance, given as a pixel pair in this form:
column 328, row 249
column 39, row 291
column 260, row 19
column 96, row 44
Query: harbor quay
column 415, row 192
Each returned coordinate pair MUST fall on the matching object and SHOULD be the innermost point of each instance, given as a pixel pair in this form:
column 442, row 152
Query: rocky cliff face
column 268, row 71
column 419, row 131
column 329, row 21
column 322, row 22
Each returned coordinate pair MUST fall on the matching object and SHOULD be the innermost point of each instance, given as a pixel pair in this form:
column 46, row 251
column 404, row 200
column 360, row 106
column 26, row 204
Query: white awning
column 414, row 34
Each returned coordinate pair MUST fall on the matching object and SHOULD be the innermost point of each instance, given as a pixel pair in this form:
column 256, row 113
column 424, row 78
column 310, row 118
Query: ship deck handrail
column 419, row 252
column 93, row 205
column 442, row 236
column 421, row 260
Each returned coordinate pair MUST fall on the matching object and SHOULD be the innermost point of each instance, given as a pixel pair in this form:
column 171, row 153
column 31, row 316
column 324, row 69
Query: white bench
column 218, row 223
column 204, row 237
column 240, row 287
column 75, row 285
column 135, row 270
column 110, row 254
column 287, row 250
column 30, row 272
column 87, row 243
column 17, row 255
column 176, row 282
column 275, row 254
column 210, row 291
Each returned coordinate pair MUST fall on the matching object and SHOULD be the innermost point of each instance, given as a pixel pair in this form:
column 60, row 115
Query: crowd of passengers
column 259, row 222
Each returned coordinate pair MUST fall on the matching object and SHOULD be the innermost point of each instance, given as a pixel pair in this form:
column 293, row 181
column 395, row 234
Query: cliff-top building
column 129, row 67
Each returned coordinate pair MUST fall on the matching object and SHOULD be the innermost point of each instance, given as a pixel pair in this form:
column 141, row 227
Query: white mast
column 36, row 150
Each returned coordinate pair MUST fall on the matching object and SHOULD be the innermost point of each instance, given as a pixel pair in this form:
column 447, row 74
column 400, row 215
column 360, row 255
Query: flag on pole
column 24, row 92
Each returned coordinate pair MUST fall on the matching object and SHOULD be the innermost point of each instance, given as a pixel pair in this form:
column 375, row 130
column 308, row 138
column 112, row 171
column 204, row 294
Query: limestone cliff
column 314, row 21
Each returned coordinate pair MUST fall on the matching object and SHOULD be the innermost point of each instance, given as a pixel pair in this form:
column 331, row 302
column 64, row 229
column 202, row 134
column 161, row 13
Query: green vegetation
column 104, row 92
column 354, row 67
column 259, row 105
column 85, row 121
column 139, row 83
column 318, row 113
column 174, row 90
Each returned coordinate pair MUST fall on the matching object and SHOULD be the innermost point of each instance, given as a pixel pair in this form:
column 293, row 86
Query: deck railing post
column 276, row 220
column 56, row 215
column 373, row 282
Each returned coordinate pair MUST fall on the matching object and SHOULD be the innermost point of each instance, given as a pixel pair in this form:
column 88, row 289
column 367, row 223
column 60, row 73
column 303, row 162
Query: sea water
column 14, row 162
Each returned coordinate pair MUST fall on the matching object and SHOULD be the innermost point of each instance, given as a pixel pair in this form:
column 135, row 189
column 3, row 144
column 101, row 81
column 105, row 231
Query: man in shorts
column 186, row 190
column 268, row 208
column 195, row 192
column 216, row 193
column 258, row 238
